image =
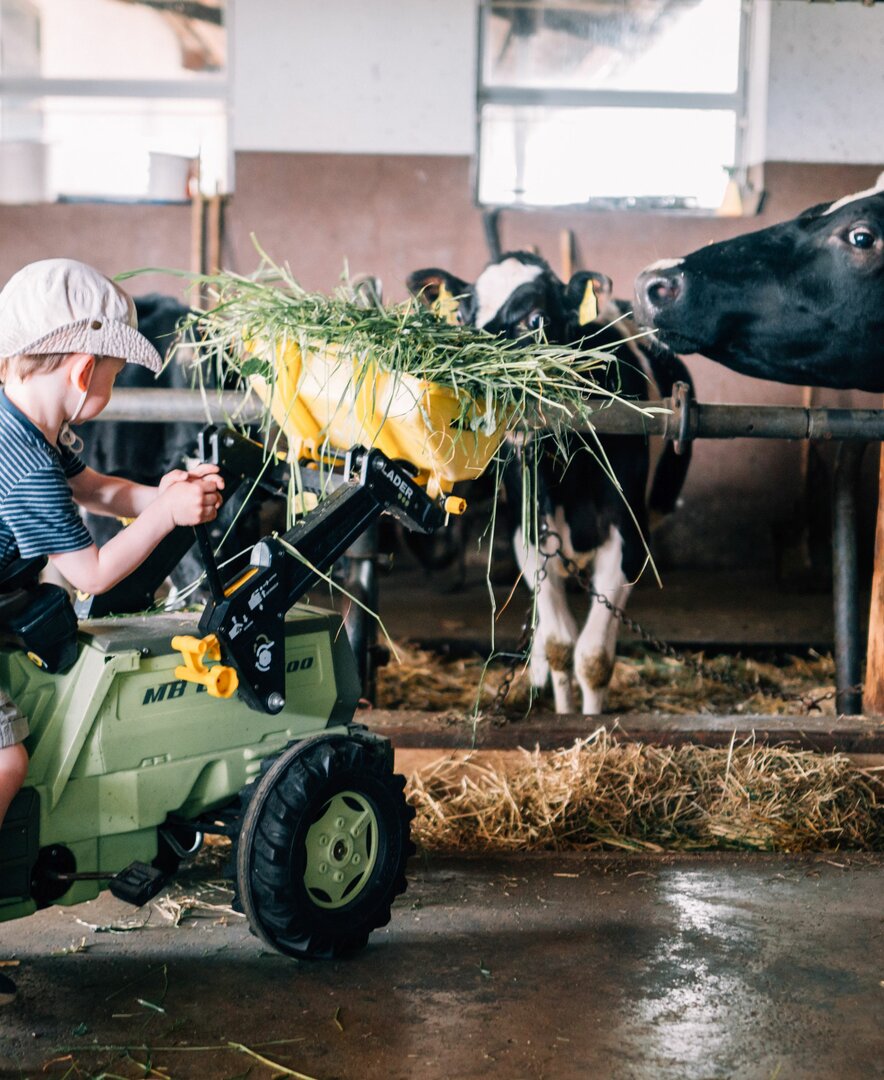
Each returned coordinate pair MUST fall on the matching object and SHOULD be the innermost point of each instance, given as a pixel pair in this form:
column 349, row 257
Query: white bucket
column 169, row 176
column 23, row 168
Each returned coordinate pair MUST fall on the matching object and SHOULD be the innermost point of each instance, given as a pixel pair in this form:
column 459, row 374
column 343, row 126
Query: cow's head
column 800, row 302
column 515, row 295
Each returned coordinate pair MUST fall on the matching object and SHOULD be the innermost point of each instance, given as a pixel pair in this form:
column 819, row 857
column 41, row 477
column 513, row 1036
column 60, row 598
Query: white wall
column 826, row 91
column 354, row 76
column 398, row 77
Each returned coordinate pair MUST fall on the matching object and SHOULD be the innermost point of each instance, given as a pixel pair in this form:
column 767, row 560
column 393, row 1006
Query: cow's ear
column 587, row 293
column 441, row 292
column 814, row 211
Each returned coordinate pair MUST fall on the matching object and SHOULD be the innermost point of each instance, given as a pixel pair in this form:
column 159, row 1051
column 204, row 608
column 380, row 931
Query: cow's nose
column 656, row 289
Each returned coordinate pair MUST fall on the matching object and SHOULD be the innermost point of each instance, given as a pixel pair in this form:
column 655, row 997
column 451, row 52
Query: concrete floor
column 663, row 967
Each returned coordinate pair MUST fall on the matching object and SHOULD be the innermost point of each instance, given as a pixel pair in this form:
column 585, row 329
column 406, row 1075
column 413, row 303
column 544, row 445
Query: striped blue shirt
column 38, row 515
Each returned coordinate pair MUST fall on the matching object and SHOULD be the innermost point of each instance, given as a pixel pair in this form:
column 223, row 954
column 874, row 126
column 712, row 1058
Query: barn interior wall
column 382, row 78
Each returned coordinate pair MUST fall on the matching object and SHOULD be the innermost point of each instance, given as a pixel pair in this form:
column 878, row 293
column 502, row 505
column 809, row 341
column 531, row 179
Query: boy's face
column 106, row 370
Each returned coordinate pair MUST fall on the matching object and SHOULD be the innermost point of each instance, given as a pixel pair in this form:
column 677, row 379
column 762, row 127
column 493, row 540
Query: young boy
column 66, row 332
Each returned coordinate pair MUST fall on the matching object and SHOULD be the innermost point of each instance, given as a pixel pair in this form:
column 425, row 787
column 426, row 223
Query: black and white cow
column 598, row 525
column 799, row 302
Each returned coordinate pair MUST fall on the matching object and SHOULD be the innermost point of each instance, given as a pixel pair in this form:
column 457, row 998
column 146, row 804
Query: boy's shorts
column 13, row 725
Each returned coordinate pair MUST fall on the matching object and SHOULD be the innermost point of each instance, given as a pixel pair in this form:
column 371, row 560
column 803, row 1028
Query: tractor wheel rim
column 341, row 848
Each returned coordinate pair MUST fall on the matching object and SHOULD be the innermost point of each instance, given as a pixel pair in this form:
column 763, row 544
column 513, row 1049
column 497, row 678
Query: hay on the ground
column 601, row 793
column 642, row 682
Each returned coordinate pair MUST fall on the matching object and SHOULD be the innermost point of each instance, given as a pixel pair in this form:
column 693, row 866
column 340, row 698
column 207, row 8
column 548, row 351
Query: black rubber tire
column 271, row 848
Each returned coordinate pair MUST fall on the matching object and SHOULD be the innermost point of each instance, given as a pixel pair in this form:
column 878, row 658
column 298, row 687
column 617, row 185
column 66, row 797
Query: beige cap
column 61, row 305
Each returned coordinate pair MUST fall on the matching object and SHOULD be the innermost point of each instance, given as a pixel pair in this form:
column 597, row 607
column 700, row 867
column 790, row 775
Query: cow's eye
column 534, row 321
column 861, row 237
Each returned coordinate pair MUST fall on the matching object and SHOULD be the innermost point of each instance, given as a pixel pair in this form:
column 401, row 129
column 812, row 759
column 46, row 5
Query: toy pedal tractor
column 139, row 746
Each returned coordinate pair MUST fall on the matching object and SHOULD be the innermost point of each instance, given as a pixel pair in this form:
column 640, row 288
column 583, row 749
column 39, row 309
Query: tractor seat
column 15, row 581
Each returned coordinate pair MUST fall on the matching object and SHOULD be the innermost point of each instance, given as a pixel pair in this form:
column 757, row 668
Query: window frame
column 737, row 101
column 204, row 87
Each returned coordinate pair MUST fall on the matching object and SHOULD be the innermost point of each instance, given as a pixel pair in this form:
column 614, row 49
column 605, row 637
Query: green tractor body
column 119, row 743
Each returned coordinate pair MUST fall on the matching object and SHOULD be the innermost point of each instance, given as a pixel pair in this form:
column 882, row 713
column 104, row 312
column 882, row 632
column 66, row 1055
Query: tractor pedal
column 138, row 883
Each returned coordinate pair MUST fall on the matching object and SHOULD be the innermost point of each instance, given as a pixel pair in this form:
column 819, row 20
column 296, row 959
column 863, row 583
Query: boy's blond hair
column 25, row 364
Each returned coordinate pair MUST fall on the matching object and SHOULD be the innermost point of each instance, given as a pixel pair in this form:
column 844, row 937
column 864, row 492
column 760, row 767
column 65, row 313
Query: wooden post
column 566, row 253
column 873, row 696
column 213, row 234
column 197, row 233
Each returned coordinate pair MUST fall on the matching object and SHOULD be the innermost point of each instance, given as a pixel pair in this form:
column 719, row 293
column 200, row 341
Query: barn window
column 124, row 99
column 612, row 103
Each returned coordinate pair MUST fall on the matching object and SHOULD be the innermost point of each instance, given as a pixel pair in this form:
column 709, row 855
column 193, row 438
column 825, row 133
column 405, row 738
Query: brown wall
column 390, row 215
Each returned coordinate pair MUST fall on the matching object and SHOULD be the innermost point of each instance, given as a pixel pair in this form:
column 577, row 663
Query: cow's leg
column 552, row 649
column 594, row 654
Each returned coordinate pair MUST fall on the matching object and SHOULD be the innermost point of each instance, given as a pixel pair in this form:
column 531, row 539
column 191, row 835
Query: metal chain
column 517, row 658
column 523, row 645
column 581, row 576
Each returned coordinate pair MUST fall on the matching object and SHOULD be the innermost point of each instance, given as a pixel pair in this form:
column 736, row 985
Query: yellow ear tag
column 589, row 306
column 445, row 306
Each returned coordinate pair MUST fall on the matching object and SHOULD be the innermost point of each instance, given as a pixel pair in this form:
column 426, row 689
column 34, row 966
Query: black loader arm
column 247, row 616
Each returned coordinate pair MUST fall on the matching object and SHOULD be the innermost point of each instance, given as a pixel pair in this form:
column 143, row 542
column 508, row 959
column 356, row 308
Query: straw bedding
column 601, row 793
column 604, row 794
column 642, row 682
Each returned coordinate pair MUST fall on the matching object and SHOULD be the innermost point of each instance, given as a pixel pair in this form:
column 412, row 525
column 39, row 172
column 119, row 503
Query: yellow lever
column 220, row 681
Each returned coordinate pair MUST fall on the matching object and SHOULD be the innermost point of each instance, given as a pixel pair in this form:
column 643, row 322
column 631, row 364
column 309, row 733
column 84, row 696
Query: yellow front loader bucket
column 324, row 400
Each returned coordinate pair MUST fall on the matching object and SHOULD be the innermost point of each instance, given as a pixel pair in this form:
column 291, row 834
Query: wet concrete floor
column 555, row 966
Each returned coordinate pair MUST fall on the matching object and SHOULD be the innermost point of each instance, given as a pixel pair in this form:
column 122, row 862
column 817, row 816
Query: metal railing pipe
column 181, row 406
column 673, row 419
column 715, row 421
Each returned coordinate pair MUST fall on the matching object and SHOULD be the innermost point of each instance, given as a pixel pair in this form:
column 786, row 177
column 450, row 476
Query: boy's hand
column 182, row 499
column 195, row 499
column 177, row 476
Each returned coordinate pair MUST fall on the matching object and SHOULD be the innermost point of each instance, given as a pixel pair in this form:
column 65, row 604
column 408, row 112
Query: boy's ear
column 82, row 370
